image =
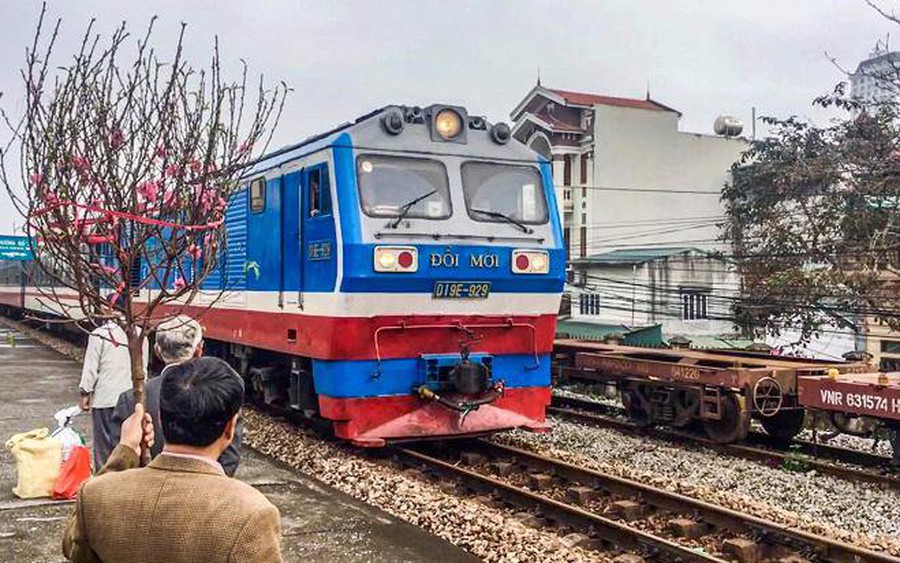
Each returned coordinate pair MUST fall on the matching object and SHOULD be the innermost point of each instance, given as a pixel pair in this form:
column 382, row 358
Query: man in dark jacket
column 177, row 341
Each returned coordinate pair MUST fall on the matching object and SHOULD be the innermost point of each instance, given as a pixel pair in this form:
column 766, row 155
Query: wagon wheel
column 784, row 425
column 734, row 424
column 767, row 396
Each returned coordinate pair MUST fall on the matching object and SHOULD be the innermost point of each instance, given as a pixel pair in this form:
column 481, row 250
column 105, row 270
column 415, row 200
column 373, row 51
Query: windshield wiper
column 505, row 217
column 404, row 209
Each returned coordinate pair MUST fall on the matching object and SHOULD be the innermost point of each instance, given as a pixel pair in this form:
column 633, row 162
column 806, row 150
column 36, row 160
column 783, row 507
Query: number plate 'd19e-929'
column 461, row 290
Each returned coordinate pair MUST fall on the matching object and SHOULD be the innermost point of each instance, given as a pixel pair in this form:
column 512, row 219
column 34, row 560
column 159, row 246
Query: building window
column 567, row 240
column 589, row 304
column 567, row 170
column 582, row 251
column 890, row 346
column 583, row 169
column 694, row 305
column 584, row 218
column 257, row 195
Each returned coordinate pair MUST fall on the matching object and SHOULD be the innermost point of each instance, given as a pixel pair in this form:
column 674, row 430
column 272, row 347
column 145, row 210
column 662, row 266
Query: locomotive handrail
column 468, row 329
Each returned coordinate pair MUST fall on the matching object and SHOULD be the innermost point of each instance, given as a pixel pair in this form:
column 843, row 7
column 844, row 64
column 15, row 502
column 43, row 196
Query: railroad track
column 607, row 509
column 758, row 446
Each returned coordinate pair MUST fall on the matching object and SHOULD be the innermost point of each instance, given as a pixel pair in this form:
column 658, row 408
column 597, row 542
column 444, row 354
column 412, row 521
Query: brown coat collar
column 184, row 465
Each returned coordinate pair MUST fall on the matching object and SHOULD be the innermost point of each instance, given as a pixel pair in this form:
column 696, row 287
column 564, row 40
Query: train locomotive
column 399, row 276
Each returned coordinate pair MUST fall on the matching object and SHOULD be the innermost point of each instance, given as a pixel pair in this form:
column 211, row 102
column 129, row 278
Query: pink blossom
column 179, row 283
column 170, row 200
column 81, row 163
column 116, row 138
column 118, row 293
column 209, row 239
column 244, row 148
column 37, row 178
column 195, row 252
column 161, row 151
column 149, row 190
column 207, row 198
column 196, row 166
column 173, row 170
column 211, row 167
column 221, row 204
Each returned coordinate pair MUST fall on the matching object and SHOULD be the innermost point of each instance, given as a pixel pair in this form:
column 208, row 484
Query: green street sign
column 15, row 248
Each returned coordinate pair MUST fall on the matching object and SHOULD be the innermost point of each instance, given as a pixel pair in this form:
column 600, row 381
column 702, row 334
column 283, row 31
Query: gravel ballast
column 489, row 533
column 859, row 513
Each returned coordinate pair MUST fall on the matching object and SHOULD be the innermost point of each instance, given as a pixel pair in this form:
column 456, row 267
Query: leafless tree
column 128, row 160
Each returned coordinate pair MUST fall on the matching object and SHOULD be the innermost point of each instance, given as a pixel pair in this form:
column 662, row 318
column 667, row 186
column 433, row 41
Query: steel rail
column 619, row 534
column 721, row 517
column 811, row 454
column 733, row 520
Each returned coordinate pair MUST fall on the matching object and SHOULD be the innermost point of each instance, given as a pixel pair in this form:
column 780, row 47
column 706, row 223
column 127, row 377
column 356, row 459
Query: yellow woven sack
column 38, row 458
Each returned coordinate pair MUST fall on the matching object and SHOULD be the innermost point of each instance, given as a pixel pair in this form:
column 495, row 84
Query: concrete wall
column 650, row 293
column 643, row 149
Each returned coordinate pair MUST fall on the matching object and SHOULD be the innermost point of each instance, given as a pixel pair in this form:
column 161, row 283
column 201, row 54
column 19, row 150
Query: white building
column 639, row 198
column 876, row 78
column 685, row 291
column 625, row 174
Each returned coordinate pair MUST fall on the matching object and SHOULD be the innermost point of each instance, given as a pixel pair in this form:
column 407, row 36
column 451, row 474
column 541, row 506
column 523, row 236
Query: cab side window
column 257, row 195
column 319, row 191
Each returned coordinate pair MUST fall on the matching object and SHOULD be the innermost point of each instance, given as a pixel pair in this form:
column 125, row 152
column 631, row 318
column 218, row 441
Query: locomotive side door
column 318, row 253
column 291, row 243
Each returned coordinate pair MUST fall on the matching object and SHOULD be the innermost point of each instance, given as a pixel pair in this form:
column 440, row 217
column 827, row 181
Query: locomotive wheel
column 784, row 425
column 734, row 424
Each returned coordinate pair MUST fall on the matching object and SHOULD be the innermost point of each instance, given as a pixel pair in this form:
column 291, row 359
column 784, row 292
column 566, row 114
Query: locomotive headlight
column 530, row 262
column 448, row 124
column 396, row 259
column 386, row 260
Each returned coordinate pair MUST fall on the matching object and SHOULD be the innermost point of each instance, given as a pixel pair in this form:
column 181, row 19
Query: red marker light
column 405, row 259
column 522, row 262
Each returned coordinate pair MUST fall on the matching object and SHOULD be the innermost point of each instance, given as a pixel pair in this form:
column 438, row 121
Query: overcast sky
column 702, row 57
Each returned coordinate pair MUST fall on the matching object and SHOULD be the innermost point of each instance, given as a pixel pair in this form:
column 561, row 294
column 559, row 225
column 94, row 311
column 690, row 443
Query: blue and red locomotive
column 399, row 276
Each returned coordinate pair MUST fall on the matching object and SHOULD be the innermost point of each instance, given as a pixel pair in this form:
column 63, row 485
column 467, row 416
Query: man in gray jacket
column 177, row 341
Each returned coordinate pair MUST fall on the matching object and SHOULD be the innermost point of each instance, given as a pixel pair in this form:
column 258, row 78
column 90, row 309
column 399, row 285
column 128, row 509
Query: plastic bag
column 73, row 473
column 37, row 458
column 64, row 432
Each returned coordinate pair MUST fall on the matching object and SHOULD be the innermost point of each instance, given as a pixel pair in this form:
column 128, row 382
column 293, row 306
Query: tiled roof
column 633, row 336
column 584, row 99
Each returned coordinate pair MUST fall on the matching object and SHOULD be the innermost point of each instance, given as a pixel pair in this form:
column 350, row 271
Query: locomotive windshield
column 393, row 186
column 500, row 193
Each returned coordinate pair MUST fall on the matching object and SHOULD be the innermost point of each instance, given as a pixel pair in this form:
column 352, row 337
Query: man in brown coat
column 182, row 507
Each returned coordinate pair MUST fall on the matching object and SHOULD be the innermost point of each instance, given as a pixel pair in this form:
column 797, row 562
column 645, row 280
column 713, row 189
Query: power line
column 647, row 290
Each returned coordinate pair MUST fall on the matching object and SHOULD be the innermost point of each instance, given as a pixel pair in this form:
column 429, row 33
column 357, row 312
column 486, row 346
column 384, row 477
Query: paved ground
column 318, row 523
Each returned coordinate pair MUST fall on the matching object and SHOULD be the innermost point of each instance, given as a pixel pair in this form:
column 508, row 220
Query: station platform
column 318, row 523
